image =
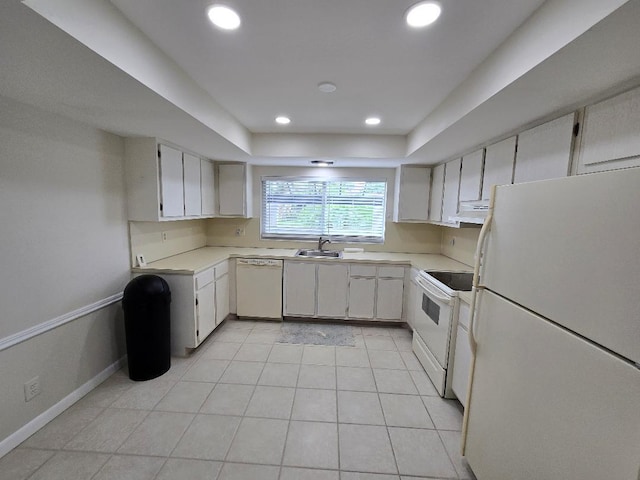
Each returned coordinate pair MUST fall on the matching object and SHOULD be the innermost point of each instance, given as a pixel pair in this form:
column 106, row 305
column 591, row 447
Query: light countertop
column 203, row 258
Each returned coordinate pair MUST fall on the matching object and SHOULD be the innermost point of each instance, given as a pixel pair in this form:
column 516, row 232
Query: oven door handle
column 432, row 293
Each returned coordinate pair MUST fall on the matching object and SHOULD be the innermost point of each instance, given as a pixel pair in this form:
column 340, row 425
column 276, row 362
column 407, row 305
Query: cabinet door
column 545, row 151
column 451, row 189
column 498, row 165
column 207, row 187
column 462, row 356
column 192, row 195
column 222, row 298
column 231, row 189
column 389, row 300
column 299, row 289
column 471, row 176
column 332, row 290
column 171, row 182
column 362, row 297
column 435, row 196
column 610, row 136
column 412, row 194
column 205, row 311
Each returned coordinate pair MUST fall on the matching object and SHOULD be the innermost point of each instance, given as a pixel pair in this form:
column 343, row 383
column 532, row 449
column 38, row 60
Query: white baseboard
column 19, row 436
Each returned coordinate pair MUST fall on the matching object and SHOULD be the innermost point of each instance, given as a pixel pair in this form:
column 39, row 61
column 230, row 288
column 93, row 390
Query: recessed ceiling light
column 422, row 14
column 322, row 163
column 327, row 87
column 223, row 17
column 373, row 121
column 282, row 120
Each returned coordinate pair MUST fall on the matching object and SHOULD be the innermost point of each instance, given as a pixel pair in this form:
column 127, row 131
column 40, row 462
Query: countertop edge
column 221, row 256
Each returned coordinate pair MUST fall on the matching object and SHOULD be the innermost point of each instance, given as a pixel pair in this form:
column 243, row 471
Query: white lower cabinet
column 199, row 303
column 332, row 290
column 299, row 289
column 362, row 297
column 205, row 311
column 222, row 291
column 462, row 356
column 389, row 298
column 343, row 291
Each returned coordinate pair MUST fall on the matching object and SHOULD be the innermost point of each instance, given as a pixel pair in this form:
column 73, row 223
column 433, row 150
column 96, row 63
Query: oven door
column 433, row 313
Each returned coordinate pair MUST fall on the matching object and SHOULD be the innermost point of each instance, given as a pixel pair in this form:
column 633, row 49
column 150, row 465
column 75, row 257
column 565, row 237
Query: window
column 307, row 208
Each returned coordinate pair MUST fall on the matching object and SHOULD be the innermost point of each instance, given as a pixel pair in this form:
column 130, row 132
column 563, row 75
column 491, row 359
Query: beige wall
column 63, row 246
column 64, row 358
column 181, row 236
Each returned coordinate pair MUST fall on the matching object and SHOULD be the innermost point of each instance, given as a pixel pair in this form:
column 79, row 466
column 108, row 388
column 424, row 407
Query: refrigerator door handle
column 476, row 271
column 472, row 313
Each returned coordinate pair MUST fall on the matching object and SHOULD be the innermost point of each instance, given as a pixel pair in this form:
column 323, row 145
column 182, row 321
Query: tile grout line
column 235, row 434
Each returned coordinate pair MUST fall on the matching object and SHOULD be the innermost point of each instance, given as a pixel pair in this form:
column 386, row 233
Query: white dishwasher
column 259, row 288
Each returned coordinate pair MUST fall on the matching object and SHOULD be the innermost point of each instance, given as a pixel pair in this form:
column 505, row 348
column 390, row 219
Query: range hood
column 471, row 212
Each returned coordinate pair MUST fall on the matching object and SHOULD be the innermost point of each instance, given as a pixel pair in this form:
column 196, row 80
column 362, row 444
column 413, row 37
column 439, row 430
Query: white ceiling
column 284, row 48
column 158, row 68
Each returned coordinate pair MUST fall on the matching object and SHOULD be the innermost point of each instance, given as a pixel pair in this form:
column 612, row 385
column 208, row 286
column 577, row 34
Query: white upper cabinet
column 192, row 187
column 411, row 198
column 164, row 183
column 611, row 134
column 171, row 181
column 498, row 165
column 234, row 190
column 207, row 186
column 545, row 151
column 451, row 189
column 471, row 176
column 435, row 196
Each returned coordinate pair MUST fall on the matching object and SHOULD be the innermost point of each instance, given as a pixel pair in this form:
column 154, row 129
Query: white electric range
column 435, row 316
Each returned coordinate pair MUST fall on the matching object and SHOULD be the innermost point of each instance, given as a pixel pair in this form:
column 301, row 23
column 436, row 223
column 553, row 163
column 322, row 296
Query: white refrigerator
column 555, row 388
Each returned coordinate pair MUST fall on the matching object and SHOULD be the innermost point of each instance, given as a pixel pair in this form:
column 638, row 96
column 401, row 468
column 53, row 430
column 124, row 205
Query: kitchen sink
column 307, row 252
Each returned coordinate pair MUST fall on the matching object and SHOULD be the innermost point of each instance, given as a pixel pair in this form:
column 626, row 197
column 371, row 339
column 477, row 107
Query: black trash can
column 147, row 326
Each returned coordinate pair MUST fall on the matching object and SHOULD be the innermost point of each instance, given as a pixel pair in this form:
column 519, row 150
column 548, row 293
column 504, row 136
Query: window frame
column 367, row 239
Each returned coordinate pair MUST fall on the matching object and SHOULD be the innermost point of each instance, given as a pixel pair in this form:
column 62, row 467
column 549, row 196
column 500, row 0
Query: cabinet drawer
column 391, row 272
column 363, row 270
column 222, row 269
column 204, row 278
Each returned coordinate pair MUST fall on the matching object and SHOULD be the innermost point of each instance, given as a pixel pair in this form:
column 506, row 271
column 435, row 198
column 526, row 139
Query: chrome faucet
column 321, row 243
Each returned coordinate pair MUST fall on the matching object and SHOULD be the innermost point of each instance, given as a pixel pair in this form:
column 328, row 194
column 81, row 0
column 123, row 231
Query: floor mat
column 317, row 334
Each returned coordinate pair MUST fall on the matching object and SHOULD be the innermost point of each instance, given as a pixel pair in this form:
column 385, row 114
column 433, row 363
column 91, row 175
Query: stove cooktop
column 460, row 281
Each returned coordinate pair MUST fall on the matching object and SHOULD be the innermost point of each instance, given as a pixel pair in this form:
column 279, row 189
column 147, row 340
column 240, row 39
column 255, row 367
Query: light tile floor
column 246, row 407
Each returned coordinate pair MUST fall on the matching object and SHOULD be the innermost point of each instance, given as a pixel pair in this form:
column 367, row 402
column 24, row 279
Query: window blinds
column 344, row 210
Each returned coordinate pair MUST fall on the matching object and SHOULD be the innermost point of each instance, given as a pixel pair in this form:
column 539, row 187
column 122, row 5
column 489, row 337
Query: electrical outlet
column 164, row 236
column 239, row 231
column 32, row 389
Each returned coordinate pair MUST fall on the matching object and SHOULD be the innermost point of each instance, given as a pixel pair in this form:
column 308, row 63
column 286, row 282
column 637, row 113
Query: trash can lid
column 146, row 286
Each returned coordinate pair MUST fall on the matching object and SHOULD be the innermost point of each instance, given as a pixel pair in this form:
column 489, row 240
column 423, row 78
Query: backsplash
column 399, row 237
column 460, row 243
column 181, row 236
